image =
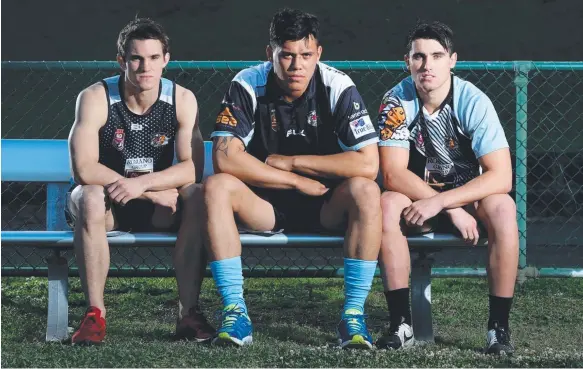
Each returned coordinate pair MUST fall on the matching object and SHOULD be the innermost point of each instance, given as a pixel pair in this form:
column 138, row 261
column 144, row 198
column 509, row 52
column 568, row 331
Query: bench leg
column 58, row 314
column 421, row 299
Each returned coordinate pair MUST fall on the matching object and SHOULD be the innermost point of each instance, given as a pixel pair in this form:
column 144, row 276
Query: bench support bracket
column 58, row 313
column 421, row 298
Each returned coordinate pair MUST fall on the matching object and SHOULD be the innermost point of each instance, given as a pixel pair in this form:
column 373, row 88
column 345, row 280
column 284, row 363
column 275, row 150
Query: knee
column 219, row 188
column 91, row 202
column 392, row 206
column 499, row 209
column 190, row 194
column 365, row 194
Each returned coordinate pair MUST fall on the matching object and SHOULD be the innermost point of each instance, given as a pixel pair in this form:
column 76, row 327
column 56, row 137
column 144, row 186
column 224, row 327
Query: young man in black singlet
column 127, row 130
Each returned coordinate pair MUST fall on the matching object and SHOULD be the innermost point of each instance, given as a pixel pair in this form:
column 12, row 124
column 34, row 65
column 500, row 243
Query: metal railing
column 540, row 105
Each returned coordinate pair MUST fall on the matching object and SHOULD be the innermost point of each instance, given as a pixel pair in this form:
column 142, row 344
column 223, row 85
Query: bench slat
column 35, row 161
column 65, row 239
column 25, row 160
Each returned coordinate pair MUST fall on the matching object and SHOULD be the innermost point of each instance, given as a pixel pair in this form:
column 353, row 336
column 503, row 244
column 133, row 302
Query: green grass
column 294, row 321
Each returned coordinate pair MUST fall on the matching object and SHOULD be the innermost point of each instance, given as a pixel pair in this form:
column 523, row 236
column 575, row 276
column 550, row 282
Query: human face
column 144, row 63
column 294, row 64
column 430, row 64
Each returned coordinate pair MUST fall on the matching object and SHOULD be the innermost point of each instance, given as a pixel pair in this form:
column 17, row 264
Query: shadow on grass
column 303, row 335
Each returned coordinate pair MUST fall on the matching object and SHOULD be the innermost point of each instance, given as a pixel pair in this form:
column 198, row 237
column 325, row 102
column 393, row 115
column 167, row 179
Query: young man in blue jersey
column 127, row 131
column 445, row 163
column 294, row 149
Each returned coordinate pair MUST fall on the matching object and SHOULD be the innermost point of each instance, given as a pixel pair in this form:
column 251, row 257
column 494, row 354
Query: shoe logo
column 407, row 338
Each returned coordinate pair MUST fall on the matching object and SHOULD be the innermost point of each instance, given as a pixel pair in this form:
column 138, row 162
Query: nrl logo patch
column 313, row 118
column 118, row 139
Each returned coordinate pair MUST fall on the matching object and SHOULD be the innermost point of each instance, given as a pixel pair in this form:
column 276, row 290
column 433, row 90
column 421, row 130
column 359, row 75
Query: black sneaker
column 498, row 341
column 397, row 335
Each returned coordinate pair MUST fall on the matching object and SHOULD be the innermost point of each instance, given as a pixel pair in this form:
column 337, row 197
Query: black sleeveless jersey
column 133, row 144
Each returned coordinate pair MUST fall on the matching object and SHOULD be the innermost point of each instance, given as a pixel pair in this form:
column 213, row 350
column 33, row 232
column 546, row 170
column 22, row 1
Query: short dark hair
column 141, row 29
column 437, row 31
column 292, row 25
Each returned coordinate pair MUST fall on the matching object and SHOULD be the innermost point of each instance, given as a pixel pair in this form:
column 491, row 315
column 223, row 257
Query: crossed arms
column 91, row 116
column 289, row 172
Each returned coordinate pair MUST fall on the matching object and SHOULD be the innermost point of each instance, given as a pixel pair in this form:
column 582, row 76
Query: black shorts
column 441, row 223
column 135, row 216
column 294, row 211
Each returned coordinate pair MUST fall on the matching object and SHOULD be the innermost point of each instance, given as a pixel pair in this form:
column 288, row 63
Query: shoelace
column 393, row 328
column 355, row 324
column 494, row 338
column 501, row 337
column 89, row 323
column 230, row 316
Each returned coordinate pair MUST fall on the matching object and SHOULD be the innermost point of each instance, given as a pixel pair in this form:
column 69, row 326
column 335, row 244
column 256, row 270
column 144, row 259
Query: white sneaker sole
column 232, row 341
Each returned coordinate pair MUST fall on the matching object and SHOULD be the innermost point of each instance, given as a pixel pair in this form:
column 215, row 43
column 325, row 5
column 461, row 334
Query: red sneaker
column 91, row 330
column 194, row 327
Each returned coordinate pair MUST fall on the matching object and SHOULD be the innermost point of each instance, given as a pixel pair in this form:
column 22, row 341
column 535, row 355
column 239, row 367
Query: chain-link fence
column 539, row 104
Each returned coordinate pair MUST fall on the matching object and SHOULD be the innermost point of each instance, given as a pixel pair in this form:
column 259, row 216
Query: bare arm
column 361, row 163
column 198, row 151
column 186, row 146
column 90, row 116
column 396, row 176
column 496, row 179
column 230, row 157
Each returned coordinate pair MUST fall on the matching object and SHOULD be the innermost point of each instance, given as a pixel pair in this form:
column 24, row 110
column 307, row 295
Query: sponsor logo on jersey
column 438, row 175
column 356, row 105
column 137, row 127
column 358, row 114
column 118, row 139
column 434, row 166
column 313, row 118
column 361, row 127
column 294, row 132
column 226, row 117
column 136, row 167
column 159, row 139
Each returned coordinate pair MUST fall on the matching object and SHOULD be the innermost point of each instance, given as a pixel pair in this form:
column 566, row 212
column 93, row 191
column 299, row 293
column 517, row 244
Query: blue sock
column 358, row 276
column 228, row 275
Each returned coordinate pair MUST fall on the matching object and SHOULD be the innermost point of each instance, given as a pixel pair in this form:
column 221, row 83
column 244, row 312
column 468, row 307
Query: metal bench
column 47, row 161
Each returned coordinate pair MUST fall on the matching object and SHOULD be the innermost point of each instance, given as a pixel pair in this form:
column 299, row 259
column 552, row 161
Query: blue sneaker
column 352, row 331
column 236, row 328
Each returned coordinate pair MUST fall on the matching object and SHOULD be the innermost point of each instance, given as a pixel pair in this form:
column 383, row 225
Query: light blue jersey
column 447, row 143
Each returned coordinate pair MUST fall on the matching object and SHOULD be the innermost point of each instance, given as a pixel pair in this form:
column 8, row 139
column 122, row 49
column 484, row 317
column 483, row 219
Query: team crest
column 118, row 139
column 274, row 125
column 451, row 144
column 159, row 139
column 313, row 118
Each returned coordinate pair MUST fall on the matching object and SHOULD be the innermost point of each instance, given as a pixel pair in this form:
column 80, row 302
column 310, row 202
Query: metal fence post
column 521, row 83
